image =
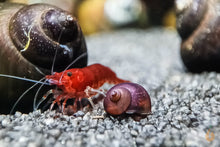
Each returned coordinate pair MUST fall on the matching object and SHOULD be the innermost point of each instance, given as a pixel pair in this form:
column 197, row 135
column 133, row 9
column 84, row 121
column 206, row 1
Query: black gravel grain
column 184, row 105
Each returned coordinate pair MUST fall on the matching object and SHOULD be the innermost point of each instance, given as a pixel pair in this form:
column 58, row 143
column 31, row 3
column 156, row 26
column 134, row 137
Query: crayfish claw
column 91, row 91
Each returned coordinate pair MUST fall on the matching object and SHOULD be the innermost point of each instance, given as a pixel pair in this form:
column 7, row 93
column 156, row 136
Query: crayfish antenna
column 43, row 74
column 24, row 79
column 12, row 109
column 54, row 58
column 36, row 95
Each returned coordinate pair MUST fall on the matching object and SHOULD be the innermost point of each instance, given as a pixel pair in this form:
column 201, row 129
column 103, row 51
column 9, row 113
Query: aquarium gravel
column 185, row 106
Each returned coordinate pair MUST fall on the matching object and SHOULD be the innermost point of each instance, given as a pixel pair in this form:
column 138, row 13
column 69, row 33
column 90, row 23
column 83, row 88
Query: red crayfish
column 79, row 83
column 75, row 83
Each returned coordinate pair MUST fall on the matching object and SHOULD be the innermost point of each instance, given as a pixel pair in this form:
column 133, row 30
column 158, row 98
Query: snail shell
column 127, row 98
column 198, row 23
column 30, row 36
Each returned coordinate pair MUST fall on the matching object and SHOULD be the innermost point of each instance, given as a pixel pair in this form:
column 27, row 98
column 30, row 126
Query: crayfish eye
column 69, row 74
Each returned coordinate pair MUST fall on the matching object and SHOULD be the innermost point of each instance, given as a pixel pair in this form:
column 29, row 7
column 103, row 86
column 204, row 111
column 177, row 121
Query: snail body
column 198, row 24
column 31, row 37
column 129, row 98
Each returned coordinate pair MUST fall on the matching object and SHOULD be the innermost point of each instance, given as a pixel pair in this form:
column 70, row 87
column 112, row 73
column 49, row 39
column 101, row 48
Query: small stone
column 32, row 144
column 84, row 123
column 140, row 141
column 17, row 114
column 86, row 128
column 37, row 113
column 79, row 114
column 87, row 116
column 109, row 125
column 49, row 121
column 185, row 110
column 134, row 133
column 178, row 117
column 150, row 129
column 93, row 123
column 101, row 129
column 100, row 137
column 6, row 122
column 167, row 101
column 23, row 139
column 54, row 133
column 92, row 140
column 161, row 126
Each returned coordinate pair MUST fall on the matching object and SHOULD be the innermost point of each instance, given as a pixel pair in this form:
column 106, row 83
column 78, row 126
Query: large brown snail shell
column 129, row 98
column 30, row 36
column 198, row 23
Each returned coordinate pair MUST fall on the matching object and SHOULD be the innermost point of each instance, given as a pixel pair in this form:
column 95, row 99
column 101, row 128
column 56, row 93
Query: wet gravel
column 185, row 106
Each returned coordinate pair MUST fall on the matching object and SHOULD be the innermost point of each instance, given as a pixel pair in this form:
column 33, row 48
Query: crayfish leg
column 64, row 104
column 57, row 100
column 70, row 109
column 91, row 102
column 75, row 106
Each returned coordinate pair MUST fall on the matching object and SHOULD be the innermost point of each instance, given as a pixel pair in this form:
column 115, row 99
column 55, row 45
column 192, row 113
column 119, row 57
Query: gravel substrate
column 184, row 105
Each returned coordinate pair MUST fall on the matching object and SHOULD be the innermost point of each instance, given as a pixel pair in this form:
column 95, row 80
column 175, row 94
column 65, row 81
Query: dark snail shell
column 127, row 98
column 198, row 23
column 30, row 36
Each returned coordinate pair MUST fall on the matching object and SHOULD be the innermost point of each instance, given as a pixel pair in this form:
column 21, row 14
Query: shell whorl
column 39, row 31
column 115, row 96
column 117, row 101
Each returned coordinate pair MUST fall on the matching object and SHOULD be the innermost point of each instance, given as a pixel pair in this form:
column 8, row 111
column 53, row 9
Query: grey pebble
column 134, row 133
column 5, row 122
column 55, row 132
column 79, row 113
column 140, row 141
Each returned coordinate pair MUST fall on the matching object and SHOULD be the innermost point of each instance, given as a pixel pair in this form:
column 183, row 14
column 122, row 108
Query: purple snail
column 32, row 37
column 129, row 98
column 198, row 24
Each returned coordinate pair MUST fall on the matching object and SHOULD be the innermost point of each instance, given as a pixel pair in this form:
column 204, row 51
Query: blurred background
column 105, row 15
